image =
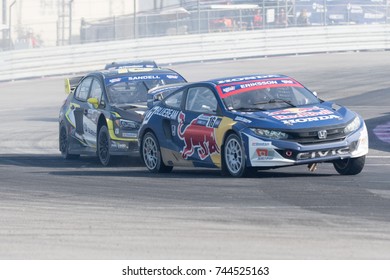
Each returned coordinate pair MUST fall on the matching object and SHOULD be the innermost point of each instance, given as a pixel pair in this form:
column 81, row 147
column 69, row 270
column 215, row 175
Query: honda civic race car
column 246, row 123
column 103, row 113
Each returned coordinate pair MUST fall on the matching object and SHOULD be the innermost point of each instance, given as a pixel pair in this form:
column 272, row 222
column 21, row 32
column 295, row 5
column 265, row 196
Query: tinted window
column 83, row 89
column 201, row 99
column 96, row 90
column 133, row 88
column 174, row 100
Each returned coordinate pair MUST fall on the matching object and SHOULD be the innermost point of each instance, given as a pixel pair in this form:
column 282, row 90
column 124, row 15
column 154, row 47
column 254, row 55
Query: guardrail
column 74, row 59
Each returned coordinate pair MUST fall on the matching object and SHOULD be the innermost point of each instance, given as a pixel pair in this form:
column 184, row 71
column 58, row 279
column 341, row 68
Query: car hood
column 133, row 112
column 302, row 117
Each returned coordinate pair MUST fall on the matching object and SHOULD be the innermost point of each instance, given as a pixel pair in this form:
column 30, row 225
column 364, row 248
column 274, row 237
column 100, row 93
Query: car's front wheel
column 151, row 154
column 103, row 146
column 350, row 166
column 64, row 144
column 234, row 158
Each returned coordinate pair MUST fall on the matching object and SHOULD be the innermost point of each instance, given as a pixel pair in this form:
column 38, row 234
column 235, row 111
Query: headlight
column 354, row 125
column 273, row 134
column 126, row 124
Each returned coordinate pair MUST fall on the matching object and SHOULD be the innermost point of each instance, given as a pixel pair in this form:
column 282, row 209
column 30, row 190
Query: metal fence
column 40, row 62
column 225, row 18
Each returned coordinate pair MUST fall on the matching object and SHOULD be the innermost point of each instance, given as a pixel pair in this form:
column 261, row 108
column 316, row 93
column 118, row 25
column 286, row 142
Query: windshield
column 127, row 90
column 265, row 94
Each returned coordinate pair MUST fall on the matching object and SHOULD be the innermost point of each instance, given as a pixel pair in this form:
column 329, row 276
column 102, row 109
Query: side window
column 202, row 100
column 83, row 89
column 96, row 90
column 174, row 100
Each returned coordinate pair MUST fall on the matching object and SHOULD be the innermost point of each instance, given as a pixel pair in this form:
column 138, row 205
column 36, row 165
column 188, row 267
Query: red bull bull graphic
column 198, row 136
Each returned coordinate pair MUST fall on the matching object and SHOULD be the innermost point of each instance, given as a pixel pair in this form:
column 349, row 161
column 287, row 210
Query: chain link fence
column 225, row 18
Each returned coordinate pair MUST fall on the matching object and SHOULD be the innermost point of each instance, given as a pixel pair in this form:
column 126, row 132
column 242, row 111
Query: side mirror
column 94, row 102
column 157, row 97
column 153, row 100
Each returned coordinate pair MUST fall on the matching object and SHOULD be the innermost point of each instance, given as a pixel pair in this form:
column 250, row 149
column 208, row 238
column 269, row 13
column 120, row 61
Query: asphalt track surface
column 56, row 209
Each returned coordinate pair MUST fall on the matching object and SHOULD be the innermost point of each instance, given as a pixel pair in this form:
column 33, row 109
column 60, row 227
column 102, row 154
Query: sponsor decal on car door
column 198, row 136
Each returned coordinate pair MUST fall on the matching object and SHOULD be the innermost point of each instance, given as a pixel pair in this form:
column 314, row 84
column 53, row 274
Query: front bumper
column 119, row 147
column 277, row 153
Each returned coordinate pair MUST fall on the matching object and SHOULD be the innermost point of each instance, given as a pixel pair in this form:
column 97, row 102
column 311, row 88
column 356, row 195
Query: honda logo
column 322, row 134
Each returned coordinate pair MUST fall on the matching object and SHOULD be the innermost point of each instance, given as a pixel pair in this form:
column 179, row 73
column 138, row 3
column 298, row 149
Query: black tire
column 103, row 146
column 234, row 158
column 350, row 166
column 64, row 144
column 151, row 154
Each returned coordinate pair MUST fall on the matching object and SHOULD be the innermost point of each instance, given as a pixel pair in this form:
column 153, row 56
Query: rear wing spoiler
column 71, row 83
column 157, row 94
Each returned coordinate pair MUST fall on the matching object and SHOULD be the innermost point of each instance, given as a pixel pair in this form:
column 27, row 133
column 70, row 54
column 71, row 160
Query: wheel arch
column 226, row 135
column 102, row 121
column 146, row 130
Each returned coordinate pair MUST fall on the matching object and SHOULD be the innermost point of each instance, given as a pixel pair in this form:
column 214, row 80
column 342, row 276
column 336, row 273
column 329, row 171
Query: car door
column 77, row 108
column 92, row 112
column 197, row 123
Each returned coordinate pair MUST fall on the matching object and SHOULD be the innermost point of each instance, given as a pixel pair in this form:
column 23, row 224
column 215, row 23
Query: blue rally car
column 102, row 114
column 246, row 123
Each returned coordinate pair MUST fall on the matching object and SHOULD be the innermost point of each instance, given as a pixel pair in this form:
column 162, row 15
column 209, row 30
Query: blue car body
column 242, row 124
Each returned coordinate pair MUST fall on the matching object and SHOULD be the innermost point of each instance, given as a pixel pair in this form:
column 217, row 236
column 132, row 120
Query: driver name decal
column 226, row 90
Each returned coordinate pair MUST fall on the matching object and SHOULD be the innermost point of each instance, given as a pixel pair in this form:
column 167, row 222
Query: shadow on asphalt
column 187, row 174
column 56, row 161
column 133, row 167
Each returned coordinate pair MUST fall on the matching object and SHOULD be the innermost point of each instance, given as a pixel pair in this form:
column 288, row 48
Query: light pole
column 9, row 23
column 70, row 21
column 135, row 19
column 198, row 6
column 4, row 20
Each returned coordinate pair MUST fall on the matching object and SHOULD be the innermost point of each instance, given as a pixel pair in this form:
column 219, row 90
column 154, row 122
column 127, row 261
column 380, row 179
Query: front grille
column 311, row 137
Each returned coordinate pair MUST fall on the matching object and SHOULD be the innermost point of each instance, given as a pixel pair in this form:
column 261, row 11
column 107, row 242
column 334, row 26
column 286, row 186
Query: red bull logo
column 198, row 136
column 294, row 111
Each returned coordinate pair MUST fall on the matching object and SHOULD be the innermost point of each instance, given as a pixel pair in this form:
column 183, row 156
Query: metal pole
column 4, row 20
column 198, row 17
column 62, row 23
column 135, row 19
column 9, row 25
column 70, row 21
column 325, row 14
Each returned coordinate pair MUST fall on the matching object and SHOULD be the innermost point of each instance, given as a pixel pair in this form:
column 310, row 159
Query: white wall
column 41, row 16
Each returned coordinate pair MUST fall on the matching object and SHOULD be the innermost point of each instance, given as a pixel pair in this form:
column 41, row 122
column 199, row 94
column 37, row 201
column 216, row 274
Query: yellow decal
column 140, row 69
column 74, row 105
column 67, row 86
column 110, row 126
column 122, row 71
column 225, row 125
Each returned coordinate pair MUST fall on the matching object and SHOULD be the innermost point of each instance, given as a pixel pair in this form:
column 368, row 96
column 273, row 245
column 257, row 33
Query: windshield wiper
column 147, row 88
column 248, row 109
column 276, row 100
column 127, row 105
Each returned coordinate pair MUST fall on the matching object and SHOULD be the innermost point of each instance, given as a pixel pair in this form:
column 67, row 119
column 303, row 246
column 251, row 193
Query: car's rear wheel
column 103, row 146
column 151, row 154
column 64, row 144
column 234, row 158
column 350, row 166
